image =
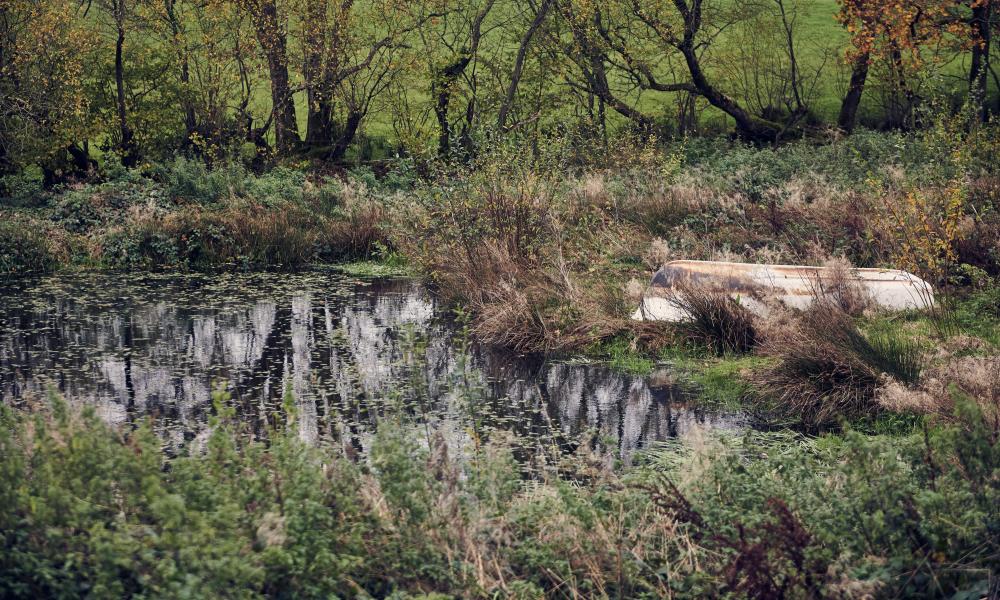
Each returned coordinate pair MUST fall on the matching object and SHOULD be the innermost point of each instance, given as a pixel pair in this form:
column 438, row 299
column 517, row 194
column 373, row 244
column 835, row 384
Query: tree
column 452, row 41
column 347, row 57
column 898, row 34
column 118, row 17
column 585, row 39
column 178, row 42
column 761, row 62
column 271, row 25
column 219, row 69
column 45, row 115
column 981, row 27
column 540, row 13
column 680, row 25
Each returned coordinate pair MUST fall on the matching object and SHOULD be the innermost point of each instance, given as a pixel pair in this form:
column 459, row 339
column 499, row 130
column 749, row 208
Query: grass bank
column 554, row 259
column 185, row 216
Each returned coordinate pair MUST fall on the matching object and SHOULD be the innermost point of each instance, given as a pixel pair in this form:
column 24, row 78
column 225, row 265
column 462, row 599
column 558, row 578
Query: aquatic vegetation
column 722, row 381
column 625, row 356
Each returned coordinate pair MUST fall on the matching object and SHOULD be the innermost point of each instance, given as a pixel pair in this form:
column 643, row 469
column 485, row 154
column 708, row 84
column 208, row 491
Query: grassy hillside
column 821, row 43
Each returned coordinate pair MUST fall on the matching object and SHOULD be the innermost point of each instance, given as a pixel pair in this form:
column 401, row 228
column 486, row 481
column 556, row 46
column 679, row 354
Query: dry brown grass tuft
column 245, row 233
column 527, row 307
column 535, row 274
column 974, row 377
column 826, row 369
column 356, row 236
column 839, row 287
column 659, row 211
column 717, row 320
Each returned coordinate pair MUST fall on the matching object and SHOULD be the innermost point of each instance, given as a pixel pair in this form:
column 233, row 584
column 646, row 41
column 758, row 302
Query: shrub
column 90, row 510
column 191, row 180
column 275, row 187
column 327, row 195
column 849, row 516
column 974, row 380
column 236, row 236
column 839, row 287
column 537, row 270
column 504, row 297
column 660, row 211
column 138, row 247
column 76, row 211
column 22, row 190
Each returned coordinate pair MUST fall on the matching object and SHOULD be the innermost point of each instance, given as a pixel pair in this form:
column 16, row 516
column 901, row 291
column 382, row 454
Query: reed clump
column 714, row 319
column 825, row 369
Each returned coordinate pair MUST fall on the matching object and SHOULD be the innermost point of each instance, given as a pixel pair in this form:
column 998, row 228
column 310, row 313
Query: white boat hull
column 793, row 286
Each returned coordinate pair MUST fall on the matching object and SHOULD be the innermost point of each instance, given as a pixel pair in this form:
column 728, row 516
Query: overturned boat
column 757, row 287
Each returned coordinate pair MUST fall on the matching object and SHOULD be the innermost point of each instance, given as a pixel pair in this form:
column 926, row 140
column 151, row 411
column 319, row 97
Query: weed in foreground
column 92, row 510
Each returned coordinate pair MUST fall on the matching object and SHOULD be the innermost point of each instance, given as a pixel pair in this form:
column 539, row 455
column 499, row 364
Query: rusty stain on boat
column 794, row 286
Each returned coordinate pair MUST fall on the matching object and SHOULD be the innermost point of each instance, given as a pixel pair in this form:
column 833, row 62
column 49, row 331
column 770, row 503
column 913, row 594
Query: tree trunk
column 286, row 128
column 748, row 126
column 347, row 136
column 444, row 80
column 442, row 88
column 80, row 158
column 272, row 40
column 849, row 106
column 190, row 120
column 441, row 113
column 522, row 52
column 319, row 130
column 981, row 31
column 126, row 146
column 319, row 121
column 903, row 86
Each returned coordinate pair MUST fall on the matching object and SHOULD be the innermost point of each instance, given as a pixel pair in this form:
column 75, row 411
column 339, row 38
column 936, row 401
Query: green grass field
column 821, row 43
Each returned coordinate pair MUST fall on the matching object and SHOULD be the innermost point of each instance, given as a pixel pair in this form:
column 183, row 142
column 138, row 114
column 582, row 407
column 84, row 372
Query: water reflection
column 347, row 350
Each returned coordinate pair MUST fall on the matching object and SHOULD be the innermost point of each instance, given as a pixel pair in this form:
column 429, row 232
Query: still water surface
column 347, row 349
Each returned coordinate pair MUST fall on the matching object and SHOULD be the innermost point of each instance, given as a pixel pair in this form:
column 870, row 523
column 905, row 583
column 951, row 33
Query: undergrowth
column 186, row 216
column 90, row 510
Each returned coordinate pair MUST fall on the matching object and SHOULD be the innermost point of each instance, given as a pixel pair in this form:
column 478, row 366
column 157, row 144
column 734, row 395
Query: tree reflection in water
column 348, row 350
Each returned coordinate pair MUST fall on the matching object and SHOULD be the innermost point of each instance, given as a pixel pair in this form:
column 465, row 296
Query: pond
column 345, row 350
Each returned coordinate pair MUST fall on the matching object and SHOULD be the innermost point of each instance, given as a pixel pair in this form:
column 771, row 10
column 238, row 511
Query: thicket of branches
column 144, row 79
